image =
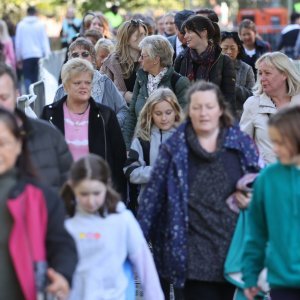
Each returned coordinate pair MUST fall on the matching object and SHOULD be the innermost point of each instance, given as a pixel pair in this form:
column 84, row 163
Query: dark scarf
column 199, row 65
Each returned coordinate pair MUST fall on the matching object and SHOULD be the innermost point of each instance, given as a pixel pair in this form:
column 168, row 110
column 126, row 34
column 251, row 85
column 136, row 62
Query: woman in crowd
column 233, row 47
column 157, row 71
column 100, row 23
column 169, row 24
column 253, row 45
column 8, row 47
column 35, row 248
column 272, row 228
column 183, row 209
column 103, row 47
column 88, row 127
column 277, row 86
column 203, row 59
column 121, row 66
column 103, row 89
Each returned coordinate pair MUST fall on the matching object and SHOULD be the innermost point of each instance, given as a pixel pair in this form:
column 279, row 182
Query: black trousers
column 199, row 290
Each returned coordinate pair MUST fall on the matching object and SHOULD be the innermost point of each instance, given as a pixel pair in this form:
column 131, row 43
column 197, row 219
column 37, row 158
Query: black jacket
column 48, row 150
column 104, row 136
column 222, row 73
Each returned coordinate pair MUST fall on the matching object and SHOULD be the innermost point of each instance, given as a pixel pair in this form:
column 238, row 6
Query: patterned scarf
column 199, row 65
column 153, row 81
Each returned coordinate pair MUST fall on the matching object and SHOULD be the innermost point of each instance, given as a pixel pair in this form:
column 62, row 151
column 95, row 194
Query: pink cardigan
column 9, row 53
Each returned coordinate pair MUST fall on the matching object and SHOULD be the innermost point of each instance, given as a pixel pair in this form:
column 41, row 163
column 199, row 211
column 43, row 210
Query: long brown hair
column 91, row 167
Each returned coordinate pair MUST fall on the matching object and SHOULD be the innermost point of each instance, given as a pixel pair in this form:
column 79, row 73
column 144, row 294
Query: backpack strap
column 146, row 150
column 174, row 78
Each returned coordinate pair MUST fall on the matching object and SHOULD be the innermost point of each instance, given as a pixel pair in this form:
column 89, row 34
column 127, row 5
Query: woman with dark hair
column 203, row 59
column 183, row 210
column 254, row 47
column 122, row 65
column 245, row 80
column 31, row 220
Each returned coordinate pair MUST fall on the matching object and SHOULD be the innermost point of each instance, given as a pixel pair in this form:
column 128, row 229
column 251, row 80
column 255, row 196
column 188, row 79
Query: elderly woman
column 183, row 209
column 103, row 48
column 245, row 80
column 157, row 71
column 203, row 59
column 88, row 127
column 32, row 221
column 121, row 66
column 103, row 89
column 277, row 86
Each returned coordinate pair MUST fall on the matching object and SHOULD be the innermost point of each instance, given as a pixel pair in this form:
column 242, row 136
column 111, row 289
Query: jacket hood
column 31, row 19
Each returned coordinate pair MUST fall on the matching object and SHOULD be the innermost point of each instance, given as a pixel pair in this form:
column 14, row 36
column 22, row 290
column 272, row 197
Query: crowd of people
column 169, row 153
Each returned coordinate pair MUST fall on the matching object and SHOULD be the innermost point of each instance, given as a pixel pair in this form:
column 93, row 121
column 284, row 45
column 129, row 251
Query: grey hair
column 158, row 45
column 74, row 67
column 284, row 65
column 105, row 44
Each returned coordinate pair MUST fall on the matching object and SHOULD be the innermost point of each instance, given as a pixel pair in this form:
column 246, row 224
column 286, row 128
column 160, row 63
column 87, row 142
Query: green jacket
column 140, row 96
column 273, row 228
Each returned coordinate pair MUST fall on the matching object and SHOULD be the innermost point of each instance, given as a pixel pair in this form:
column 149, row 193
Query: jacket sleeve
column 131, row 119
column 118, row 151
column 61, row 249
column 243, row 92
column 153, row 197
column 180, row 90
column 256, row 236
column 119, row 104
column 60, row 92
column 247, row 122
column 135, row 168
column 177, row 64
column 142, row 260
column 228, row 82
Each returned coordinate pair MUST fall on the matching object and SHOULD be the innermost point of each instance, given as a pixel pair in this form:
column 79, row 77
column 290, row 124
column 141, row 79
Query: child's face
column 281, row 147
column 90, row 195
column 163, row 115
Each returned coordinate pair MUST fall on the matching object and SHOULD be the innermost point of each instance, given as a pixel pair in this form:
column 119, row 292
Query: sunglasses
column 136, row 22
column 83, row 54
column 229, row 34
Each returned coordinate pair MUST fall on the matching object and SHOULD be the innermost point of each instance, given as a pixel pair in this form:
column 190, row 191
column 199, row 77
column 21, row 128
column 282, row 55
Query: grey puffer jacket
column 48, row 151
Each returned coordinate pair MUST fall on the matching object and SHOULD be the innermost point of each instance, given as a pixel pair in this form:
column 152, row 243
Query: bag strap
column 146, row 150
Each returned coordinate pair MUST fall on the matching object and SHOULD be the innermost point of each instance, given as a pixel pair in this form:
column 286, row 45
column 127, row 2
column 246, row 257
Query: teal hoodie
column 273, row 228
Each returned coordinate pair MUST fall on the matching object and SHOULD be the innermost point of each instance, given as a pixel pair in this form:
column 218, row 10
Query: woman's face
column 163, row 115
column 100, row 57
column 82, row 53
column 79, row 87
column 10, row 149
column 136, row 38
column 272, row 80
column 169, row 25
column 230, row 48
column 194, row 40
column 96, row 24
column 147, row 63
column 248, row 37
column 90, row 195
column 204, row 112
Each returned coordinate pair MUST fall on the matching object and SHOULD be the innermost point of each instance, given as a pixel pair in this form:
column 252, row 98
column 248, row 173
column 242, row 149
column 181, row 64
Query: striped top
column 76, row 132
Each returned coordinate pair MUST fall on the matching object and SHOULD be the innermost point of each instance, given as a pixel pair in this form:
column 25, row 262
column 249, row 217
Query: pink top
column 76, row 132
column 9, row 52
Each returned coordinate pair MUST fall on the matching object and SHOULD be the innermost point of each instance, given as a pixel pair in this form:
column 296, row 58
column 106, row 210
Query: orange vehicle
column 267, row 20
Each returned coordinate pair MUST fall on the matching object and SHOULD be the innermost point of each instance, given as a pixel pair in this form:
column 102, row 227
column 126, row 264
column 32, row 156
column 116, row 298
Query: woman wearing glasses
column 88, row 127
column 156, row 71
column 203, row 59
column 103, row 89
column 233, row 47
column 122, row 64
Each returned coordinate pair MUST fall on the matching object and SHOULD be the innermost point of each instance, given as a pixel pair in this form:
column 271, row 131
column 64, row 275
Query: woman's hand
column 128, row 96
column 243, row 199
column 59, row 286
column 251, row 292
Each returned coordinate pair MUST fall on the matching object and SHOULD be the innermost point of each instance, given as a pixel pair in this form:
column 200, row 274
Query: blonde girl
column 157, row 121
column 107, row 236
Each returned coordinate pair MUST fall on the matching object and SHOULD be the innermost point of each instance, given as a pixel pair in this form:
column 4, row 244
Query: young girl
column 273, row 239
column 157, row 121
column 106, row 235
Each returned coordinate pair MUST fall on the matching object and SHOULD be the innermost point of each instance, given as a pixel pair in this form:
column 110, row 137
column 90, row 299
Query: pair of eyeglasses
column 142, row 56
column 83, row 54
